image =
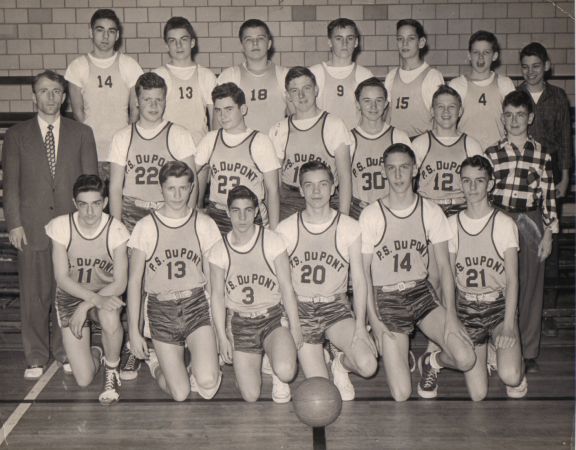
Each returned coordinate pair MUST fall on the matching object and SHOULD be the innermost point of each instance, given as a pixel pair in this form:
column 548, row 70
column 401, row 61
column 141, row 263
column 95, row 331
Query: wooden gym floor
column 54, row 413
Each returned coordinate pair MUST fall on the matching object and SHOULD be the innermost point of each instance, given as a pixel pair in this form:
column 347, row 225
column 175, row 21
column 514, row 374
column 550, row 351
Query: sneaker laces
column 430, row 376
column 131, row 362
column 112, row 379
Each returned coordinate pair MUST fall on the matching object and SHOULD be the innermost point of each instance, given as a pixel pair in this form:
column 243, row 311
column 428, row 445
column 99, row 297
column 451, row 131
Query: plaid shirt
column 524, row 179
column 552, row 124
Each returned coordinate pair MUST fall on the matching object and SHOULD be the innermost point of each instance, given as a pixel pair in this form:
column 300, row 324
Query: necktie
column 50, row 149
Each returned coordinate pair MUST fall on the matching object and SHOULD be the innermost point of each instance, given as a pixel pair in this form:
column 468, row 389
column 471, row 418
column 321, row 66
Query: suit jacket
column 32, row 197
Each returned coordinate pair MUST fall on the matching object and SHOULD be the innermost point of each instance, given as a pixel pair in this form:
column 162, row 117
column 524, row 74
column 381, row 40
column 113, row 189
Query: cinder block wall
column 38, row 34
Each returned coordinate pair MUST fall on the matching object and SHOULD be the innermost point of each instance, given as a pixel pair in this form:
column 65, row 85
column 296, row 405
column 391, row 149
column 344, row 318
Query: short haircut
column 414, row 24
column 370, row 82
column 176, row 23
column 229, row 90
column 518, row 99
column 399, row 148
column 297, row 72
column 51, row 75
column 483, row 35
column 312, row 166
column 535, row 49
column 444, row 89
column 478, row 162
column 342, row 22
column 150, row 80
column 254, row 23
column 88, row 183
column 176, row 169
column 110, row 15
column 241, row 192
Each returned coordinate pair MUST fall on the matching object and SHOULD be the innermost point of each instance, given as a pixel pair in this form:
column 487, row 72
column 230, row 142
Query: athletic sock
column 434, row 360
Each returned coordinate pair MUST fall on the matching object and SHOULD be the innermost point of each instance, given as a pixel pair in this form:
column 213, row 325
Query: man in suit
column 41, row 159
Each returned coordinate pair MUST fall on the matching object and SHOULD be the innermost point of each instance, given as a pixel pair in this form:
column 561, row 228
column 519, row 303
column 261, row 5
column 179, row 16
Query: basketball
column 317, row 402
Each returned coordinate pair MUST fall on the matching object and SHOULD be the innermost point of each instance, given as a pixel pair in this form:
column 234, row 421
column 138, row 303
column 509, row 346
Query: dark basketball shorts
column 247, row 332
column 291, row 201
column 172, row 321
column 356, row 207
column 402, row 310
column 66, row 306
column 220, row 216
column 450, row 210
column 317, row 317
column 133, row 210
column 480, row 318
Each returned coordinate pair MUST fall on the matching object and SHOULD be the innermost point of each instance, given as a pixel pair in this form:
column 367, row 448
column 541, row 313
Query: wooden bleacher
column 560, row 282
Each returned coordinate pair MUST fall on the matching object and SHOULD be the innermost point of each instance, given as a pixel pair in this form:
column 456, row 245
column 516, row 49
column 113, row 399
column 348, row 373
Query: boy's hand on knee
column 77, row 321
column 296, row 332
column 361, row 336
column 225, row 349
column 138, row 346
column 506, row 339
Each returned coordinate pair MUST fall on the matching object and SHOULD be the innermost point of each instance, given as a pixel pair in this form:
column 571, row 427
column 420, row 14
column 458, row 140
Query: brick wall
column 38, row 34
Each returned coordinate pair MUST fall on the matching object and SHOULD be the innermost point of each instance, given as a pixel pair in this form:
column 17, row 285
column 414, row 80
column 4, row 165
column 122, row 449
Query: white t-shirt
column 233, row 75
column 58, row 229
column 273, row 247
column 346, row 234
column 372, row 223
column 433, row 80
column 78, row 71
column 180, row 142
column 206, row 78
column 144, row 236
column 262, row 149
column 335, row 133
column 421, row 144
column 505, row 233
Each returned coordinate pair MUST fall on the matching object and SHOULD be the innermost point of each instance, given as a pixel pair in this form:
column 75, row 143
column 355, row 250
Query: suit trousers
column 37, row 310
column 530, row 281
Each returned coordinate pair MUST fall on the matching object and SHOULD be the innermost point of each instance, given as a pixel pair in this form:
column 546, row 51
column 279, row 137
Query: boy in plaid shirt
column 525, row 189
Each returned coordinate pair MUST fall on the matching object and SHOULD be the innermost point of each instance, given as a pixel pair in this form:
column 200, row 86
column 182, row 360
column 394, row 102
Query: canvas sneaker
column 342, row 380
column 110, row 392
column 280, row 390
column 519, row 391
column 428, row 384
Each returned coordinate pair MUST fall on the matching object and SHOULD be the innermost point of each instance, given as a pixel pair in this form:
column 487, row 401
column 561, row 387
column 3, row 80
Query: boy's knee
column 285, row 370
column 510, row 376
column 250, row 395
column 109, row 321
column 208, row 384
column 401, row 393
column 366, row 364
column 180, row 394
column 464, row 357
column 478, row 394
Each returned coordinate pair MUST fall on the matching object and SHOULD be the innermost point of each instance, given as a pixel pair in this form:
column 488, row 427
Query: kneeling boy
column 169, row 247
column 90, row 267
column 253, row 321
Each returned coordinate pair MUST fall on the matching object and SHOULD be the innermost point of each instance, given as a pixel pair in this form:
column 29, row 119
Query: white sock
column 434, row 361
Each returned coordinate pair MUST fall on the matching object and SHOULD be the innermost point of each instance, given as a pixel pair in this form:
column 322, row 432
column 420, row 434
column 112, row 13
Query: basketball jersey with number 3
column 251, row 283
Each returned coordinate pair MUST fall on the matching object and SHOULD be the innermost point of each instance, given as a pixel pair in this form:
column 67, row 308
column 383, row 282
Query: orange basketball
column 317, row 402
